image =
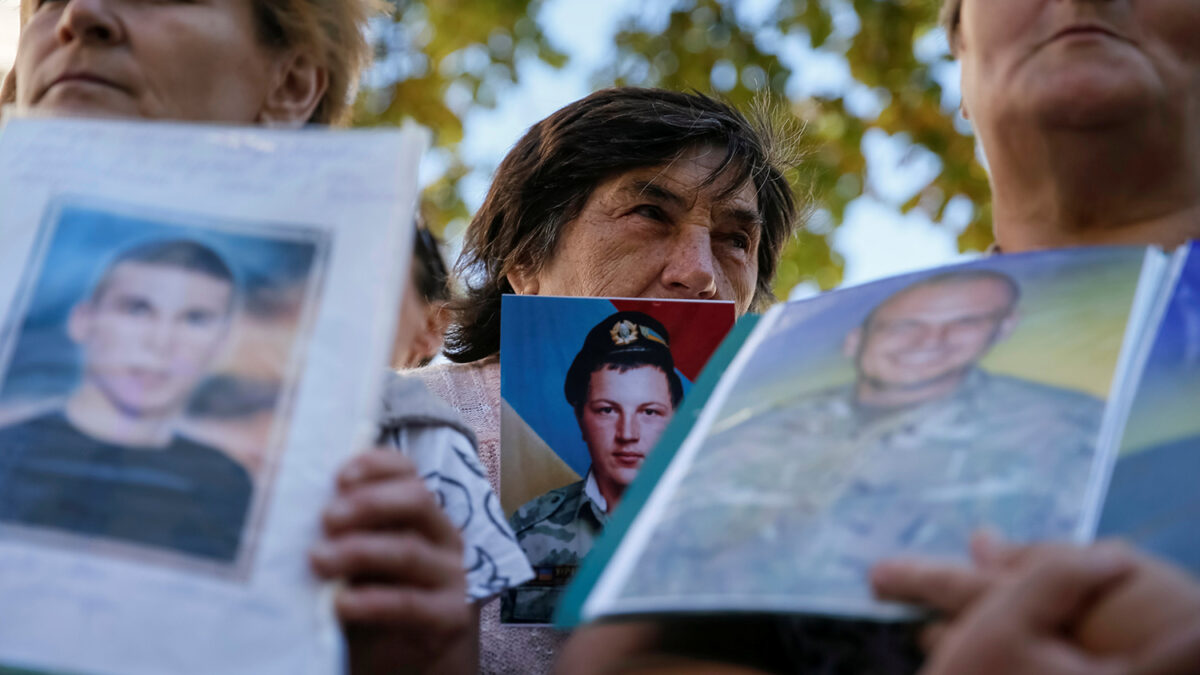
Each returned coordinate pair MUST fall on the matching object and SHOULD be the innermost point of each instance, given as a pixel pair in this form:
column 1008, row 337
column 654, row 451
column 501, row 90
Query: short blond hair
column 333, row 31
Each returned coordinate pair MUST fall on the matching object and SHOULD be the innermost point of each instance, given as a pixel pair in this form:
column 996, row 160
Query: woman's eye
column 741, row 241
column 650, row 211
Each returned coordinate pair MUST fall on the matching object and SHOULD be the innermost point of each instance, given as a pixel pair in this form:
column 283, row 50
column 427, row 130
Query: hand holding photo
column 890, row 419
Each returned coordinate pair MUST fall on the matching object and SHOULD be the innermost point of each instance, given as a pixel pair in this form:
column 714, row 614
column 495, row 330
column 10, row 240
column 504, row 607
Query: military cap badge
column 624, row 333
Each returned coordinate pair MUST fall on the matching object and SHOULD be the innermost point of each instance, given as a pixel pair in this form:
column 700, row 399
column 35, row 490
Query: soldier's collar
column 591, row 492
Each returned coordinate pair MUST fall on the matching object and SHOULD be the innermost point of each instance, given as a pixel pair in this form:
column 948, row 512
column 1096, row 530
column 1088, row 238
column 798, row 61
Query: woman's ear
column 298, row 87
column 523, row 281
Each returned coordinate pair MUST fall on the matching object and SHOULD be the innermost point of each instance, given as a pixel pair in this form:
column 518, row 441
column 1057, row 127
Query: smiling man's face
column 150, row 335
column 931, row 333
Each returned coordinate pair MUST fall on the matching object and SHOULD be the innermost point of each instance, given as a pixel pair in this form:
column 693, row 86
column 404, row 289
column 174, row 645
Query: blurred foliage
column 437, row 59
column 443, row 56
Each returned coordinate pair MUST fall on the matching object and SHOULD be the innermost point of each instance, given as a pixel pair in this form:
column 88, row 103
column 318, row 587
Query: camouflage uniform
column 828, row 487
column 556, row 531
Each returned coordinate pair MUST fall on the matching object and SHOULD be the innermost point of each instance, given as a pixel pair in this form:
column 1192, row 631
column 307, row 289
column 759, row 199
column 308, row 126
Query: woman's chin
column 94, row 107
column 1095, row 100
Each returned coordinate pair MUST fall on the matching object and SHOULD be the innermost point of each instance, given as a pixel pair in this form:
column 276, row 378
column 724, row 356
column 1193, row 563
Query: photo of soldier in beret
column 605, row 386
column 624, row 390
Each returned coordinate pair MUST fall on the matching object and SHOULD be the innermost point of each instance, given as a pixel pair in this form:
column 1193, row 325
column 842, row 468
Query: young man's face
column 151, row 334
column 623, row 417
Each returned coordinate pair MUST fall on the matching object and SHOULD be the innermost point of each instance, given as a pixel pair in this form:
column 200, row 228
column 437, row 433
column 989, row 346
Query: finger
column 1054, row 587
column 945, row 587
column 397, row 503
column 375, row 465
column 933, row 635
column 397, row 557
column 989, row 550
column 1054, row 657
column 419, row 609
column 1175, row 654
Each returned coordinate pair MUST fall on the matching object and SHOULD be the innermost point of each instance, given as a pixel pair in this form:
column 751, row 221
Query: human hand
column 1052, row 608
column 403, row 604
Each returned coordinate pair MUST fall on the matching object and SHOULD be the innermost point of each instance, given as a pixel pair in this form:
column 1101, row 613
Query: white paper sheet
column 88, row 604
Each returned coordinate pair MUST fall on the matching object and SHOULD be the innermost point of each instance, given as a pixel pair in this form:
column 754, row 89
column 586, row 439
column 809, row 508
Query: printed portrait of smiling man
column 110, row 462
column 920, row 448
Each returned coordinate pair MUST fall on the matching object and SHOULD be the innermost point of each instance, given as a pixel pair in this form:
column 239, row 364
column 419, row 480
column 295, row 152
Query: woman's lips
column 82, row 79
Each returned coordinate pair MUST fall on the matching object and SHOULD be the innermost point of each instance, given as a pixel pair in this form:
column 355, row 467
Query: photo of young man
column 110, row 461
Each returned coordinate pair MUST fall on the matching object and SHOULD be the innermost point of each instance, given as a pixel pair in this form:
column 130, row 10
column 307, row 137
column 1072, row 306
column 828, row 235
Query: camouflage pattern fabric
column 800, row 500
column 556, row 531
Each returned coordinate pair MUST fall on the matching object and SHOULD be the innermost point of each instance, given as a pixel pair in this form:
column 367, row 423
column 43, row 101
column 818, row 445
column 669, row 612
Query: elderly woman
column 1087, row 112
column 625, row 193
column 284, row 63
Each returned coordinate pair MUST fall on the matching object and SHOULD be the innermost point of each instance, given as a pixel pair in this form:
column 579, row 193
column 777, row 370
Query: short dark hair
column 955, row 277
column 430, row 275
column 184, row 254
column 546, row 179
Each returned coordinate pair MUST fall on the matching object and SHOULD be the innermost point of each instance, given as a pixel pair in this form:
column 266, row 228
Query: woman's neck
column 1096, row 186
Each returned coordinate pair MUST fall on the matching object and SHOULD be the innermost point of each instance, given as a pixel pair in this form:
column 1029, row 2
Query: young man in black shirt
column 109, row 462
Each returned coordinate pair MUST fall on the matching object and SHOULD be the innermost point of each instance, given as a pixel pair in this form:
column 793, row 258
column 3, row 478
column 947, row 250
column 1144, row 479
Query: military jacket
column 556, row 531
column 803, row 498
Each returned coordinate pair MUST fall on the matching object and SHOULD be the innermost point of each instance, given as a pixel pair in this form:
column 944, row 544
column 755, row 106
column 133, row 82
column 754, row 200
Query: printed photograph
column 146, row 370
column 1152, row 497
column 897, row 418
column 588, row 387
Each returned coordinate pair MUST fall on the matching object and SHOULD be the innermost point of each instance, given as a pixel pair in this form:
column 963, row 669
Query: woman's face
column 659, row 232
column 197, row 60
column 1077, row 63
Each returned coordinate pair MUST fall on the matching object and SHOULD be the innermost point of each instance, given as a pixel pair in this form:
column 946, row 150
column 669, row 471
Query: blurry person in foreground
column 1086, row 111
column 110, row 462
column 286, row 63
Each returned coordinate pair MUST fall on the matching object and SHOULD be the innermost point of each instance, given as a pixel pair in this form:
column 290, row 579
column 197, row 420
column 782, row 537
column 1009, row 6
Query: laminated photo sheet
column 1152, row 499
column 788, row 489
column 193, row 324
column 588, row 386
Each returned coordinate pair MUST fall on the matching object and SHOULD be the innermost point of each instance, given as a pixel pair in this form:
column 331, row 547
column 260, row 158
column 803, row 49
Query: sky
column 8, row 33
column 876, row 240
